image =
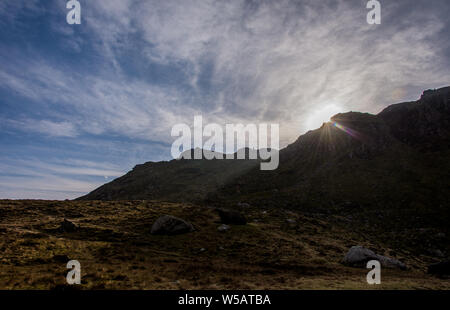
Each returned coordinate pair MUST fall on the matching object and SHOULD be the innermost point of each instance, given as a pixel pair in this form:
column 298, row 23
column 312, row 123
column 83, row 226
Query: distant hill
column 175, row 180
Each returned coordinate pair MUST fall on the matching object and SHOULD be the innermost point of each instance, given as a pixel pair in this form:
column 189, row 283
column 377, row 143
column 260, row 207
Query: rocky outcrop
column 424, row 123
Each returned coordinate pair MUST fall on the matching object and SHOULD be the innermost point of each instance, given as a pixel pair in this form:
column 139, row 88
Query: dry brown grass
column 117, row 251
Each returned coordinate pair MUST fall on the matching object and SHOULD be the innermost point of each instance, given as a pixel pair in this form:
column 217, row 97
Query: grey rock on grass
column 358, row 256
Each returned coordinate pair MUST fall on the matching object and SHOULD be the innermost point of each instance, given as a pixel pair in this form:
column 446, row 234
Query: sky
column 83, row 104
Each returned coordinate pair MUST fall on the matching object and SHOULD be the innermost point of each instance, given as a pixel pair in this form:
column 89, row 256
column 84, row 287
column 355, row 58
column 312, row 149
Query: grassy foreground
column 117, row 251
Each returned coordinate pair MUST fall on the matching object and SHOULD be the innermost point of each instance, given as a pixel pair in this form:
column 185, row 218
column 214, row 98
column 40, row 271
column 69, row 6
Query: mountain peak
column 430, row 93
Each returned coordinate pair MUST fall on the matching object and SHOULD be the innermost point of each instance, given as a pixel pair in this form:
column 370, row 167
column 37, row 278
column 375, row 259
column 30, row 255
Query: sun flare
column 322, row 115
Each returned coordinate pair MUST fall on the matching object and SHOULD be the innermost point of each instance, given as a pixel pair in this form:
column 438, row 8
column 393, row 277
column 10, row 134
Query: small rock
column 68, row 226
column 436, row 252
column 171, row 225
column 202, row 250
column 440, row 269
column 231, row 217
column 223, row 228
column 291, row 221
column 243, row 205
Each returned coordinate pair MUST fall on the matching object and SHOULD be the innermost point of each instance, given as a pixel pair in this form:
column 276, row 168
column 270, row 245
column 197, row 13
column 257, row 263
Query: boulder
column 171, row 225
column 440, row 269
column 231, row 217
column 68, row 226
column 358, row 256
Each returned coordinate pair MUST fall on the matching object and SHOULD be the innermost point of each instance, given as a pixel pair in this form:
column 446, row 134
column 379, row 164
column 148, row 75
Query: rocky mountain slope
column 398, row 156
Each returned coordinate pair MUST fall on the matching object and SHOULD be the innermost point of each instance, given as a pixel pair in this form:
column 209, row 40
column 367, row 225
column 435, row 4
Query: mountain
column 399, row 156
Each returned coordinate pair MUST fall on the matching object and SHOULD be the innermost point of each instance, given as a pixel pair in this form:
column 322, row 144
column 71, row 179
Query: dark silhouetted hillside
column 396, row 160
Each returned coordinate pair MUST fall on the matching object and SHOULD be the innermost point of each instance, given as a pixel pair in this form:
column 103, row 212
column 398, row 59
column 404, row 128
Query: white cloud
column 36, row 167
column 283, row 60
column 52, row 179
column 46, row 127
column 277, row 61
column 62, row 129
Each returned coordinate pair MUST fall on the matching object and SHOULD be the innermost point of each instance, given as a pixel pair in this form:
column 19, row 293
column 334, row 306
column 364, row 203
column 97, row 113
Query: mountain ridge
column 400, row 130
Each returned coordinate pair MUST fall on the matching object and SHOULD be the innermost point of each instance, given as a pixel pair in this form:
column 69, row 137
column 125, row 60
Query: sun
column 322, row 115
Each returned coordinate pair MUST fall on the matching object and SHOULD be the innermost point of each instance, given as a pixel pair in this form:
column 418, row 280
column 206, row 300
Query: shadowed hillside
column 399, row 156
column 176, row 180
